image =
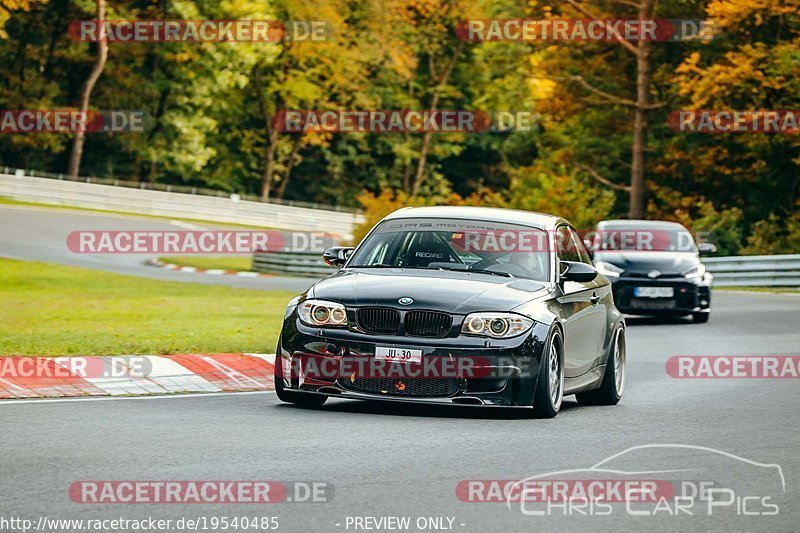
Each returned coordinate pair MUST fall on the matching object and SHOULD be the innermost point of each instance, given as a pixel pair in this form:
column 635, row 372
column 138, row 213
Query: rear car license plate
column 398, row 355
column 653, row 292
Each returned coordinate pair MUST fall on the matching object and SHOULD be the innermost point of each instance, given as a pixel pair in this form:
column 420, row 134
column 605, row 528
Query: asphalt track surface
column 387, row 460
column 41, row 234
column 391, row 460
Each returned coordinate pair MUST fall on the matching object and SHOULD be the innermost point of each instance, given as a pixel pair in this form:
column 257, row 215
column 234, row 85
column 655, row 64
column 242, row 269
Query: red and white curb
column 53, row 377
column 213, row 272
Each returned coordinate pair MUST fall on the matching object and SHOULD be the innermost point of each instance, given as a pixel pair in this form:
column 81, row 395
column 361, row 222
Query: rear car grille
column 428, row 323
column 378, row 319
column 427, row 387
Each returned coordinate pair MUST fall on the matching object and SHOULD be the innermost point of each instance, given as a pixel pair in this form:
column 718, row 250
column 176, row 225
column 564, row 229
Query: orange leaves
column 730, row 13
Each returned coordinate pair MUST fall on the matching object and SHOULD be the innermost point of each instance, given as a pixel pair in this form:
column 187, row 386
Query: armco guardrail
column 295, row 263
column 180, row 205
column 743, row 271
column 755, row 270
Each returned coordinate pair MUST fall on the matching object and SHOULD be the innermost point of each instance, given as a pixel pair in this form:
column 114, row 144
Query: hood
column 453, row 292
column 667, row 263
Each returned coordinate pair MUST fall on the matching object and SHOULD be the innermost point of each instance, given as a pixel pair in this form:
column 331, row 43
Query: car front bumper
column 688, row 296
column 463, row 370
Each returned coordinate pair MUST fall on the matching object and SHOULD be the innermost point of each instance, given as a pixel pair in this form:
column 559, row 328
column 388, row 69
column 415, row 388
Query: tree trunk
column 289, row 166
column 269, row 164
column 640, row 121
column 268, row 169
column 86, row 93
column 419, row 177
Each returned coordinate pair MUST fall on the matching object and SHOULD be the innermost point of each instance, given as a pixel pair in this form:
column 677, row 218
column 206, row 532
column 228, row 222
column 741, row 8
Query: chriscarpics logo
column 677, row 481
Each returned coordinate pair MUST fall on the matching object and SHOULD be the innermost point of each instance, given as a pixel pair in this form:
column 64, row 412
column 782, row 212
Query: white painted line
column 247, row 274
column 268, row 357
column 151, row 397
column 174, row 377
column 184, row 225
column 215, row 272
column 187, row 269
column 9, row 384
column 237, row 377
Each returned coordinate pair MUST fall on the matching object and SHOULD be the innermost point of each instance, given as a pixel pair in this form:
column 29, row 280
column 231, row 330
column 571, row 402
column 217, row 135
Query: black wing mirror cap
column 706, row 248
column 579, row 272
column 337, row 256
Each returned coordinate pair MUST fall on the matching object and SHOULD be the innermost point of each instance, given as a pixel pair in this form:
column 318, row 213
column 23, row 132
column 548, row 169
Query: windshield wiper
column 492, row 272
column 478, row 271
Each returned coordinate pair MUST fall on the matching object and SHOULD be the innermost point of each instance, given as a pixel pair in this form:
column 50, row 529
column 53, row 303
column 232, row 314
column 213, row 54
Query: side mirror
column 337, row 256
column 580, row 272
column 706, row 248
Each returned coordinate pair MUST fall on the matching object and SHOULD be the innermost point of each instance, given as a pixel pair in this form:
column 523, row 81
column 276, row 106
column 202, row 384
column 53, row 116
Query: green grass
column 239, row 263
column 58, row 310
column 9, row 201
column 759, row 289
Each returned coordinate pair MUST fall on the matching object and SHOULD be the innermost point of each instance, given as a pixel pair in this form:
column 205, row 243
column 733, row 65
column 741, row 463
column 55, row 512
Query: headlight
column 696, row 271
column 322, row 313
column 496, row 325
column 608, row 270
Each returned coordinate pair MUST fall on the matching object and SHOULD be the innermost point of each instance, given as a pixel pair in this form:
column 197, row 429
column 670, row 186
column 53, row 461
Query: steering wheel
column 484, row 263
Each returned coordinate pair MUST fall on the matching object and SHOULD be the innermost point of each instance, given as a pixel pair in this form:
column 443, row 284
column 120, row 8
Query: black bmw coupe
column 457, row 305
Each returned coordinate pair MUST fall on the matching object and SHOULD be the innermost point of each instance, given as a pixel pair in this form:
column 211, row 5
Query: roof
column 638, row 224
column 488, row 214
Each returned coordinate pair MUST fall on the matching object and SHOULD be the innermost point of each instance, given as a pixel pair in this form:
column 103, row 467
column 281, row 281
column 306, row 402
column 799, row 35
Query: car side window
column 567, row 251
column 580, row 247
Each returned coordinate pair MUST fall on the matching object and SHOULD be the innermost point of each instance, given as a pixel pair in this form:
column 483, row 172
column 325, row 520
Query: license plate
column 398, row 355
column 653, row 292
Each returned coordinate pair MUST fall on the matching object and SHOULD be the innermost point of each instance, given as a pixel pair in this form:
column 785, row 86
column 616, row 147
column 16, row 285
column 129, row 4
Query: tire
column 701, row 318
column 613, row 384
column 550, row 386
column 302, row 399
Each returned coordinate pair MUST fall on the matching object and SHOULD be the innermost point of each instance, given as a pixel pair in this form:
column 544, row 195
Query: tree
column 86, row 91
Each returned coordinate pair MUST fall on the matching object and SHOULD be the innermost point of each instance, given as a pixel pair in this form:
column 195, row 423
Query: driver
column 528, row 261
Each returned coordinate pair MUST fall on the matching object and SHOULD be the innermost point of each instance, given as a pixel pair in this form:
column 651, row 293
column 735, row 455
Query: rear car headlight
column 496, row 325
column 695, row 272
column 608, row 270
column 322, row 313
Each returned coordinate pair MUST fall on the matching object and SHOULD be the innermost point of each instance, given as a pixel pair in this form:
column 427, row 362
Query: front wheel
column 613, row 384
column 550, row 387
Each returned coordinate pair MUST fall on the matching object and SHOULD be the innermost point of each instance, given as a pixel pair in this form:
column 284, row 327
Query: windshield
column 644, row 239
column 482, row 247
